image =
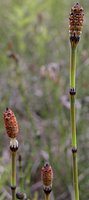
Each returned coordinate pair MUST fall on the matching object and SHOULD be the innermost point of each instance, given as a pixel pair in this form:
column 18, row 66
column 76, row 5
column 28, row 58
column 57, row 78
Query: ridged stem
column 73, row 120
column 13, row 174
column 72, row 67
column 47, row 196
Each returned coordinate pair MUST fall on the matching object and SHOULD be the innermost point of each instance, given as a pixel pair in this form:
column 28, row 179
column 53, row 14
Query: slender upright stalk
column 12, row 130
column 72, row 94
column 75, row 26
column 73, row 120
column 13, row 174
column 47, row 196
column 72, row 66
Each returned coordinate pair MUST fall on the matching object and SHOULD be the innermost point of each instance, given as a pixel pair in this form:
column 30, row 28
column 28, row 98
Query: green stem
column 75, row 176
column 13, row 174
column 72, row 67
column 47, row 196
column 73, row 122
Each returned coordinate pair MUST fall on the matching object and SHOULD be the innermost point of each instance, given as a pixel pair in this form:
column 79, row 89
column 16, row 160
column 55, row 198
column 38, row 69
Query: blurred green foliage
column 36, row 32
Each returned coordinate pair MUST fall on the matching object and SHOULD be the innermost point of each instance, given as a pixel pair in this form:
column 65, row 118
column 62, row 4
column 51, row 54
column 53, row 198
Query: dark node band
column 72, row 91
column 47, row 190
column 74, row 38
column 13, row 187
column 14, row 149
column 74, row 150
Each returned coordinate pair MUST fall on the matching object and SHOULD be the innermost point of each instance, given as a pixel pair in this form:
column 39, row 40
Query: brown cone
column 47, row 175
column 76, row 22
column 11, row 124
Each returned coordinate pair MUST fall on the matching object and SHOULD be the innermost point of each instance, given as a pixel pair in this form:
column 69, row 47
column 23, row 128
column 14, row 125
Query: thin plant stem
column 47, row 196
column 73, row 120
column 13, row 174
column 72, row 66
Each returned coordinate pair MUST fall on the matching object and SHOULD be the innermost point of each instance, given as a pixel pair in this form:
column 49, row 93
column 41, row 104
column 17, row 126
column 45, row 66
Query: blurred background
column 34, row 83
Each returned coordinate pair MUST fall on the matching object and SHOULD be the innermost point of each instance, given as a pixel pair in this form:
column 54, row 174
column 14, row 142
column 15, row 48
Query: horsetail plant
column 47, row 179
column 75, row 26
column 12, row 130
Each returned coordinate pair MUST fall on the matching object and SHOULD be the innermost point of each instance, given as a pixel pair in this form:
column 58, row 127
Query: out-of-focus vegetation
column 34, row 82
